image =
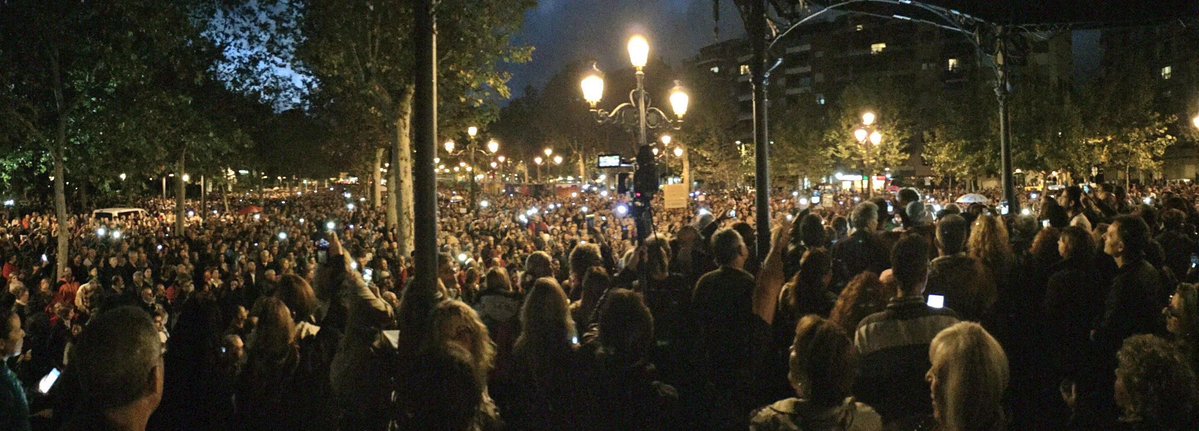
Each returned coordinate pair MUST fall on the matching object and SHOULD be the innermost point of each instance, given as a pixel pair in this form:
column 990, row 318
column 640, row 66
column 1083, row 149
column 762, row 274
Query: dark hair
column 824, row 359
column 299, row 297
column 1173, row 219
column 442, row 392
column 1081, row 242
column 595, row 283
column 811, row 231
column 909, row 261
column 583, row 257
column 863, row 214
column 1044, row 245
column 951, row 234
column 114, row 356
column 808, row 284
column 726, row 246
column 626, row 327
column 1134, row 233
column 909, row 194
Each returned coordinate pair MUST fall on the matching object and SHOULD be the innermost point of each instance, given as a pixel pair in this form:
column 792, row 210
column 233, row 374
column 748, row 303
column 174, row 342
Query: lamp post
column 683, row 155
column 869, row 137
column 537, row 161
column 647, row 117
column 472, row 149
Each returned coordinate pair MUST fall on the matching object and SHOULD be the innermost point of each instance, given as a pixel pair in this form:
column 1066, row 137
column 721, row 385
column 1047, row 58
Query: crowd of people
column 898, row 312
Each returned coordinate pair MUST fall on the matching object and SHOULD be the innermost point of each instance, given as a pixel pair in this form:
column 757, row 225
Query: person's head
column 11, row 334
column 233, row 347
column 864, row 217
column 968, row 376
column 117, row 360
column 1076, row 242
column 275, row 330
column 454, row 322
column 1044, row 245
column 1173, row 220
column 688, row 234
column 813, row 278
column 446, row 272
column 1071, row 200
column 951, row 234
column 545, row 316
column 582, row 258
column 1127, row 238
column 595, row 283
column 1055, row 213
column 443, row 390
column 299, row 297
column 863, row 296
column 497, row 279
column 729, row 248
column 1154, row 383
column 811, row 231
column 657, row 255
column 909, row 263
column 907, row 196
column 989, row 242
column 822, row 362
column 1182, row 313
column 539, row 264
column 626, row 327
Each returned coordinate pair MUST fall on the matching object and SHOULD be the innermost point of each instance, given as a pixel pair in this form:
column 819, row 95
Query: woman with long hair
column 968, row 376
column 545, row 367
column 863, row 296
column 277, row 390
column 456, row 324
column 822, row 365
column 989, row 244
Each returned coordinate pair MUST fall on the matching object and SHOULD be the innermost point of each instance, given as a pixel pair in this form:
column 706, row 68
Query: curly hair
column 1158, row 386
column 989, row 244
column 453, row 320
column 863, row 296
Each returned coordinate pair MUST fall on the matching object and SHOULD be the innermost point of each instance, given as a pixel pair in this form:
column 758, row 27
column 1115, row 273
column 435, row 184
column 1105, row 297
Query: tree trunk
column 392, row 180
column 60, row 202
column 401, row 163
column 180, row 195
column 85, row 201
column 203, row 197
column 377, row 179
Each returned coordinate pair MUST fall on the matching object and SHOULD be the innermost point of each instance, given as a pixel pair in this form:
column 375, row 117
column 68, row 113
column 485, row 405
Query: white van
column 111, row 213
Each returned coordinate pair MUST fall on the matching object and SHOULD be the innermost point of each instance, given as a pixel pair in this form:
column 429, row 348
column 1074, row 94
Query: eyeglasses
column 1169, row 311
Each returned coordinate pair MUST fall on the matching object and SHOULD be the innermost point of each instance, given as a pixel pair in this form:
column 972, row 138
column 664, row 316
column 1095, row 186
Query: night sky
column 562, row 31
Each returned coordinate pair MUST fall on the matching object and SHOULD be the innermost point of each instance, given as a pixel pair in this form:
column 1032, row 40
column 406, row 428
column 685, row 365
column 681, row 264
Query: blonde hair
column 546, row 325
column 482, row 349
column 971, row 370
column 989, row 244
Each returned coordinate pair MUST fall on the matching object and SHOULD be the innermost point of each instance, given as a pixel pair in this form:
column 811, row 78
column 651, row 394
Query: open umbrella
column 252, row 209
column 972, row 198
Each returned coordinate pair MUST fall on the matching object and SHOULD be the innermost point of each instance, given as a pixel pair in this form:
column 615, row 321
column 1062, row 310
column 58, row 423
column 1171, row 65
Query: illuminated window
column 877, row 48
column 745, row 69
column 715, row 69
column 952, row 64
column 1167, row 72
column 860, row 27
column 820, row 99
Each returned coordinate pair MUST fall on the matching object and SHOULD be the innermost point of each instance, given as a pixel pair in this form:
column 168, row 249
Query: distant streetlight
column 493, row 146
column 558, row 160
column 472, row 131
column 121, row 176
column 868, row 133
column 537, row 161
column 1195, row 121
column 548, row 151
column 665, row 139
column 678, row 151
column 449, row 146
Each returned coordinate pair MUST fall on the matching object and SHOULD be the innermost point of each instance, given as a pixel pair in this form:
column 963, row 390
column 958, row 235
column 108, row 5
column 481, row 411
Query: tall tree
column 63, row 63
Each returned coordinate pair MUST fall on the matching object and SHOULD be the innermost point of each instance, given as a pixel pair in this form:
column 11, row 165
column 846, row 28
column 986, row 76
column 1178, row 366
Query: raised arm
column 771, row 276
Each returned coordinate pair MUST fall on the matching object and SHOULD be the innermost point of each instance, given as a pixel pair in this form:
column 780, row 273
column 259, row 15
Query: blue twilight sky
column 562, row 31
